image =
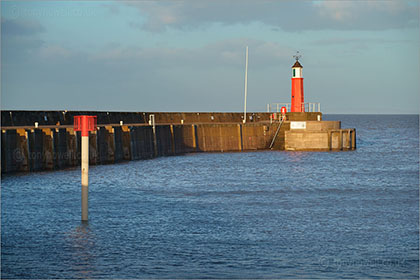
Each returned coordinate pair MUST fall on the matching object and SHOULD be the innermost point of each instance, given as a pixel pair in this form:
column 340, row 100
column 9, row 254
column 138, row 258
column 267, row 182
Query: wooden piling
column 348, row 139
column 330, row 140
column 118, row 144
column 155, row 147
column 172, row 139
column 111, row 143
column 48, row 148
column 3, row 151
column 23, row 150
column 105, row 143
column 60, row 148
column 71, row 147
column 93, row 148
column 240, row 144
column 194, row 136
column 126, row 142
column 36, row 149
column 9, row 144
column 221, row 142
column 353, row 140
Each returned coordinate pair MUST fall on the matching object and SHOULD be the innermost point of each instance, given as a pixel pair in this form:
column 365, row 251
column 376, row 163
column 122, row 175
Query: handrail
column 306, row 107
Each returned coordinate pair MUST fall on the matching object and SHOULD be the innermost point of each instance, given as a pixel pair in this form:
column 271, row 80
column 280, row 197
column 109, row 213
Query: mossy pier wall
column 122, row 136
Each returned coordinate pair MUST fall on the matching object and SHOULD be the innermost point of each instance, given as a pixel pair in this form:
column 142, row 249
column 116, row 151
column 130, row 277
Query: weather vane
column 297, row 56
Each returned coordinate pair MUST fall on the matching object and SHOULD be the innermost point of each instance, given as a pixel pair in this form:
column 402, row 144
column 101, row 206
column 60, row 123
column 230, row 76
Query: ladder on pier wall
column 275, row 135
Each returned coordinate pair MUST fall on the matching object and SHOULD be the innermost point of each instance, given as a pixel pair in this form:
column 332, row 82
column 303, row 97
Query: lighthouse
column 297, row 86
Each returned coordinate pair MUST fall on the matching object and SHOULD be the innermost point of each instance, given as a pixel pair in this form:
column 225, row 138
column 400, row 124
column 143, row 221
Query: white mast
column 246, row 82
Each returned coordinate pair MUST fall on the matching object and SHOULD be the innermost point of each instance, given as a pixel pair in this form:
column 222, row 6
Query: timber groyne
column 46, row 140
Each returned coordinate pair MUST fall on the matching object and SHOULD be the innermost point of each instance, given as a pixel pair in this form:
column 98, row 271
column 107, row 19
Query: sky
column 358, row 57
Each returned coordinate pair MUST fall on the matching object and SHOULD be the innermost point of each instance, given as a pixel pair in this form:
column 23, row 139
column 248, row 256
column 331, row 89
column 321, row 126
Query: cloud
column 20, row 38
column 54, row 52
column 225, row 53
column 369, row 14
column 185, row 79
column 342, row 10
column 359, row 41
column 20, row 27
column 287, row 15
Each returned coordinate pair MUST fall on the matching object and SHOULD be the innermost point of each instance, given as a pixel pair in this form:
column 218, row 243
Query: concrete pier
column 321, row 136
column 125, row 136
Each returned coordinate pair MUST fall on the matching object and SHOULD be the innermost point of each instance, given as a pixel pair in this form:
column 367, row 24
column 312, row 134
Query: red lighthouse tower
column 297, row 86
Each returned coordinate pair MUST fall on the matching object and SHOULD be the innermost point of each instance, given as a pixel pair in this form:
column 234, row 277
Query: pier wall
column 36, row 149
column 26, row 148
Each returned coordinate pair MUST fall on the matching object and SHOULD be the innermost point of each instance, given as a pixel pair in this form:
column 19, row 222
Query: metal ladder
column 275, row 135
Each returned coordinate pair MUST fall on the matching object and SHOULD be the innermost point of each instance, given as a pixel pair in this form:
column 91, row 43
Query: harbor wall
column 36, row 149
column 26, row 148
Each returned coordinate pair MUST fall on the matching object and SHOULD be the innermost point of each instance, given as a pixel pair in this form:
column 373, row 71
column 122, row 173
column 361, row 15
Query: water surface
column 227, row 215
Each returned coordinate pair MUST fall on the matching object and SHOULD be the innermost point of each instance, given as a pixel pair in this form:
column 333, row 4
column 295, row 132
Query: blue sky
column 358, row 56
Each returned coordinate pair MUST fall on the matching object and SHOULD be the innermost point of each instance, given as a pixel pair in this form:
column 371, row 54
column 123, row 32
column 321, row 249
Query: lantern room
column 297, row 70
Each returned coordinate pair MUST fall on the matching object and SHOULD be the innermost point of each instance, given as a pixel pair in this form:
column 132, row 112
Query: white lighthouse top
column 297, row 67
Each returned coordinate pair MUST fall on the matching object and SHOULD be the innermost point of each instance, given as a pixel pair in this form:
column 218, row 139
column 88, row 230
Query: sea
column 260, row 215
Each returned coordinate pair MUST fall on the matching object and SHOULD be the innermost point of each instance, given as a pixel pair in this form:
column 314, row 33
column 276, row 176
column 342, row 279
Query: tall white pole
column 246, row 82
column 85, row 176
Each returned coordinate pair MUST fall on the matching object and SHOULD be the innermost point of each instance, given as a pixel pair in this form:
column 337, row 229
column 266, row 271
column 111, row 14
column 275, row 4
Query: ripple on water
column 226, row 215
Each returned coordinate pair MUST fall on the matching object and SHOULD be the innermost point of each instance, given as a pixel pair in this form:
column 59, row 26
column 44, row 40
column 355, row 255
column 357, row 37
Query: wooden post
column 240, row 137
column 340, row 140
column 126, row 141
column 71, row 147
column 221, row 142
column 348, row 139
column 3, row 151
column 110, row 140
column 94, row 157
column 48, row 149
column 329, row 140
column 24, row 151
column 353, row 139
column 152, row 123
column 194, row 137
column 172, row 139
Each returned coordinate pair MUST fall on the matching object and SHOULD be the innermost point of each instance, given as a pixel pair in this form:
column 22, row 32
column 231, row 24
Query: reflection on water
column 232, row 215
column 82, row 244
column 296, row 156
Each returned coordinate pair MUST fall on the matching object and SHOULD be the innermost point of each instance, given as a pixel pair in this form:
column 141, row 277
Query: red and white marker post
column 85, row 124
